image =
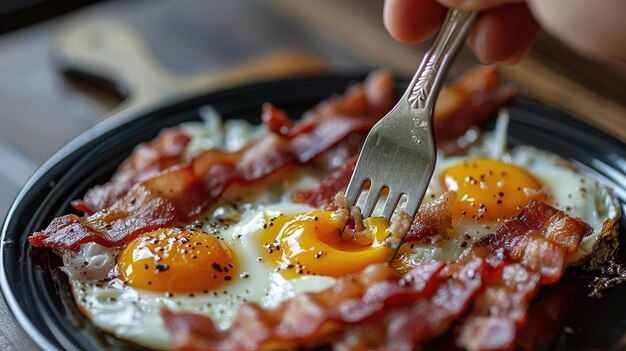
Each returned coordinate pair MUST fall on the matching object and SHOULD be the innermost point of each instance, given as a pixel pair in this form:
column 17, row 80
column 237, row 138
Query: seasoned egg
column 494, row 184
column 312, row 243
column 176, row 260
column 489, row 190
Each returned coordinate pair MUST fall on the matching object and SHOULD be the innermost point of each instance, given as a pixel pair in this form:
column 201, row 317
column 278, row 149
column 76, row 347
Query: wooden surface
column 210, row 44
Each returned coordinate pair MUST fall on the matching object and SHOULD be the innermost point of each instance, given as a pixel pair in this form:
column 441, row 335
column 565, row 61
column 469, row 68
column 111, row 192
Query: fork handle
column 425, row 86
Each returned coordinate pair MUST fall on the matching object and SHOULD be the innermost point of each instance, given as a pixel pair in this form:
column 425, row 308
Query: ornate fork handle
column 423, row 90
column 399, row 152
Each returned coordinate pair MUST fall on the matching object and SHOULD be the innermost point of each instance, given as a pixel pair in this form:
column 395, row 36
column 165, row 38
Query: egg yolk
column 490, row 189
column 312, row 243
column 176, row 260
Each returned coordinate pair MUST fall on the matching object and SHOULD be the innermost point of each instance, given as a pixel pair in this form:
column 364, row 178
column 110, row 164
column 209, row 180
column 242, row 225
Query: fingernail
column 480, row 45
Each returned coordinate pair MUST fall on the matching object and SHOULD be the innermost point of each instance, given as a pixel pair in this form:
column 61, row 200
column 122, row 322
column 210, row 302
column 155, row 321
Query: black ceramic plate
column 39, row 297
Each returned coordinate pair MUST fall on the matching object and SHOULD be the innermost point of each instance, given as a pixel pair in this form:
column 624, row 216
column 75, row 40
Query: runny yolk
column 490, row 189
column 311, row 243
column 176, row 260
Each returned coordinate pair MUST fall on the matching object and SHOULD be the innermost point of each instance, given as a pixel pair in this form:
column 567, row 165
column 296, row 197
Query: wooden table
column 40, row 110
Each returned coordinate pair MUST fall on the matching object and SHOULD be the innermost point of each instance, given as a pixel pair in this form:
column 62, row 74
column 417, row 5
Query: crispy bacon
column 466, row 103
column 137, row 213
column 147, row 160
column 186, row 189
column 380, row 309
column 416, row 323
column 540, row 238
column 276, row 120
column 537, row 242
column 432, row 220
column 500, row 309
column 323, row 194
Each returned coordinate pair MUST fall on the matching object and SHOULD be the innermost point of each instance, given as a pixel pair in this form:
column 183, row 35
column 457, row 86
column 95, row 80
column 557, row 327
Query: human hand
column 506, row 28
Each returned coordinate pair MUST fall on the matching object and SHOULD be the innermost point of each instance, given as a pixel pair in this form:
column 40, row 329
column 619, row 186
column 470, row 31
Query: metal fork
column 399, row 152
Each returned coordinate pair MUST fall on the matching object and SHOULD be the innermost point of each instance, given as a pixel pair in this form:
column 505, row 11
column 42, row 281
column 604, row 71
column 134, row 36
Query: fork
column 399, row 152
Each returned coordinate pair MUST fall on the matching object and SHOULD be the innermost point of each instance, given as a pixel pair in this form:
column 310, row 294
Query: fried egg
column 493, row 184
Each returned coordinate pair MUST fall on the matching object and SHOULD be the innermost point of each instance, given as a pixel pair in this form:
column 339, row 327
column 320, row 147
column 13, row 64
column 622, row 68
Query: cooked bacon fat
column 432, row 220
column 487, row 290
column 183, row 191
column 148, row 159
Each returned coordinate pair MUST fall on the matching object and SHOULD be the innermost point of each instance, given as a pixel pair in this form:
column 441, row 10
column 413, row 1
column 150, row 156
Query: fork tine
column 372, row 198
column 412, row 204
column 399, row 151
column 354, row 189
column 391, row 203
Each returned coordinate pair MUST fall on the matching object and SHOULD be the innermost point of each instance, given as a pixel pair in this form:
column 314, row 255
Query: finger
column 476, row 4
column 412, row 21
column 503, row 34
column 593, row 29
column 520, row 53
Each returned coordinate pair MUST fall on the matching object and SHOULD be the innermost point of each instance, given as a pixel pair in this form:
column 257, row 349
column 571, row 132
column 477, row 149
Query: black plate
column 40, row 299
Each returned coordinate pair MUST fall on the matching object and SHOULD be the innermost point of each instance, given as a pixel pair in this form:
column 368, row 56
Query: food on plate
column 382, row 309
column 224, row 235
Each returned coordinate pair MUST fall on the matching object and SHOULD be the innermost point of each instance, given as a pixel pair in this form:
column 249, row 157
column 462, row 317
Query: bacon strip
column 539, row 238
column 135, row 214
column 380, row 309
column 148, row 159
column 432, row 220
column 500, row 309
column 416, row 323
column 323, row 194
column 537, row 243
column 183, row 191
column 466, row 103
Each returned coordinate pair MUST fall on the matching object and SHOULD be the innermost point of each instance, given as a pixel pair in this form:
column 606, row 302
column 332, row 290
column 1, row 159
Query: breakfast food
column 227, row 236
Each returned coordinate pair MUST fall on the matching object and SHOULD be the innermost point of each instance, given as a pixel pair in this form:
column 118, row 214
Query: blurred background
column 66, row 64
